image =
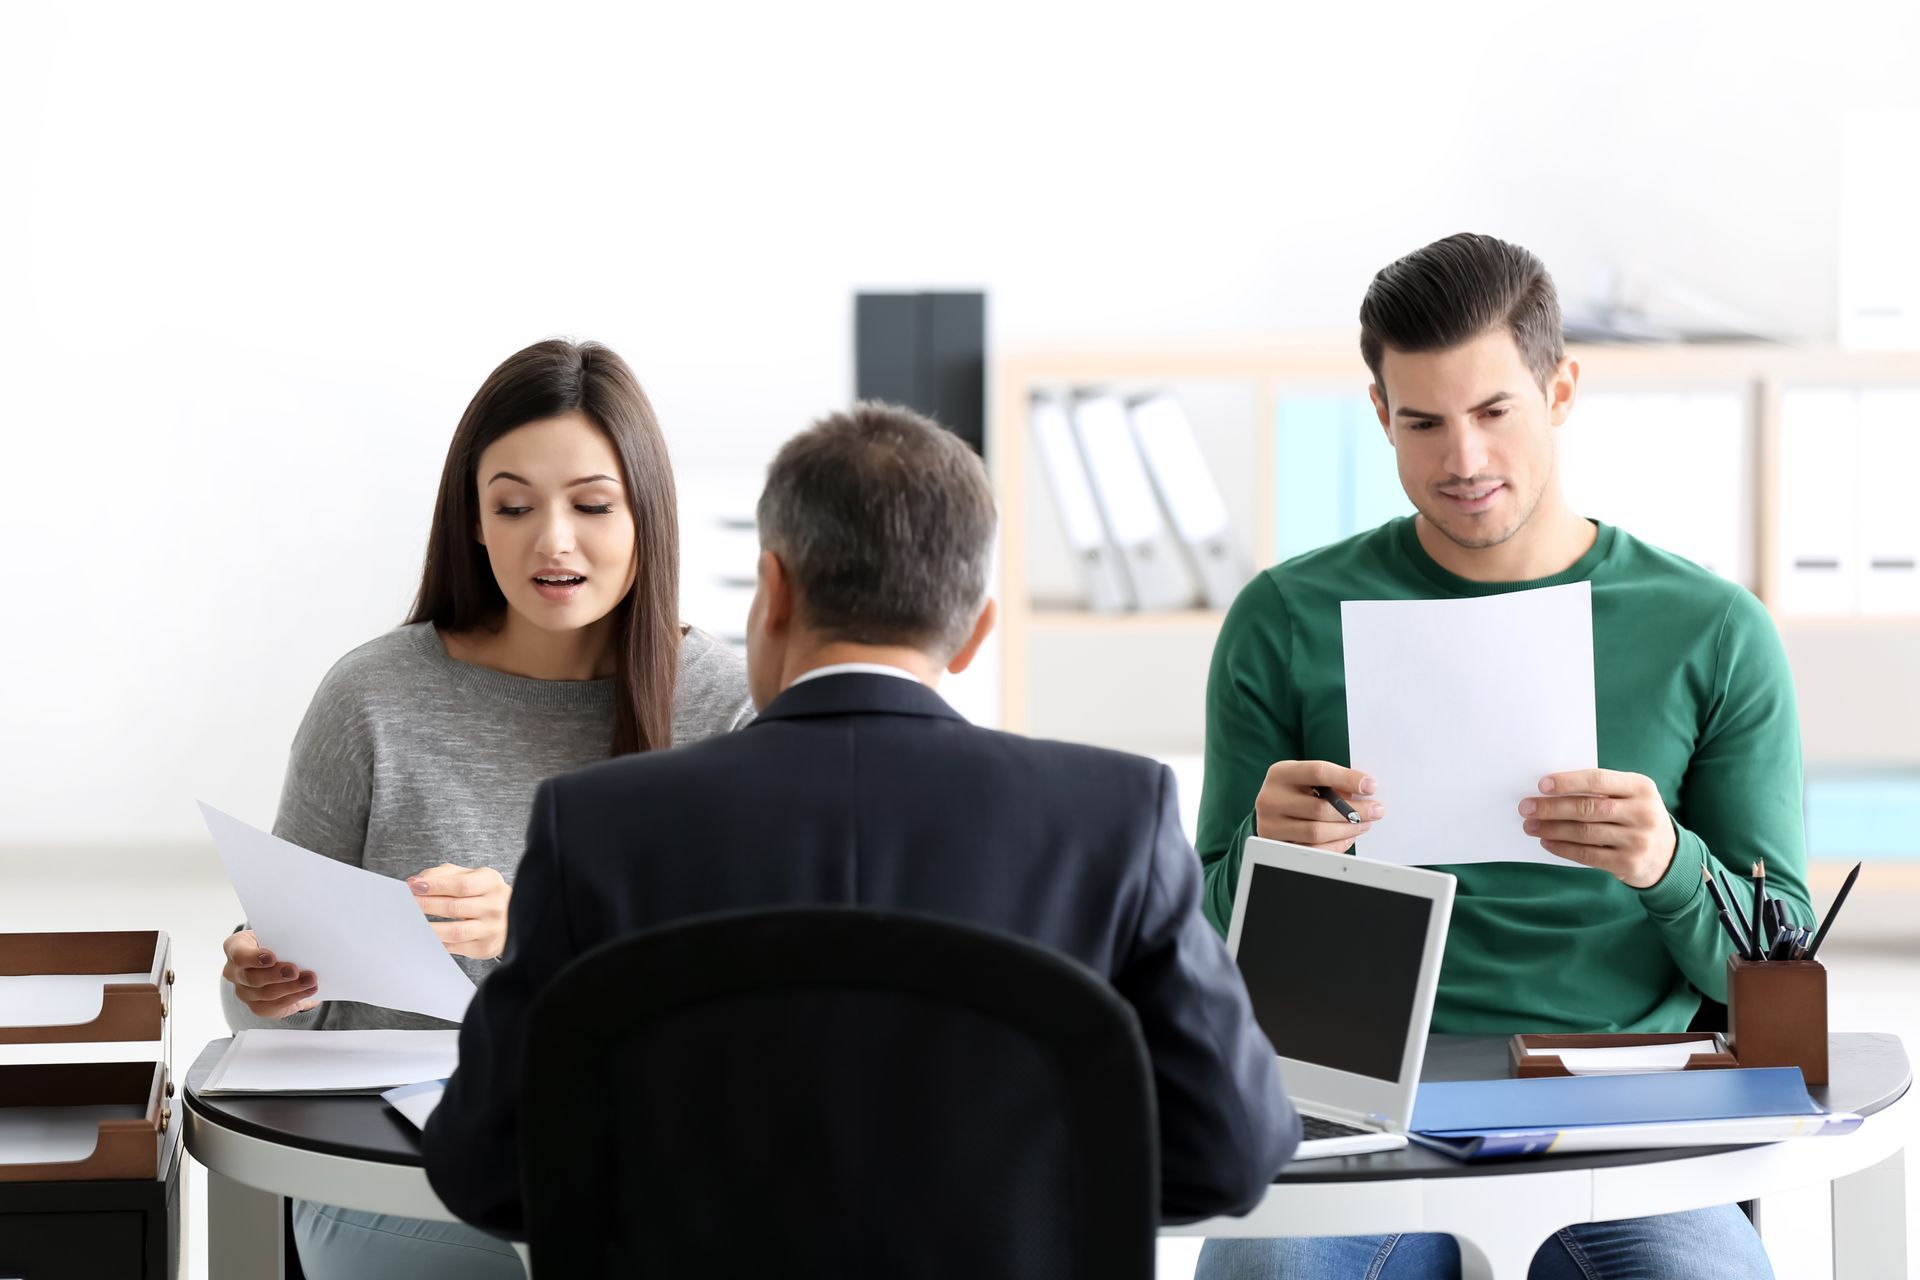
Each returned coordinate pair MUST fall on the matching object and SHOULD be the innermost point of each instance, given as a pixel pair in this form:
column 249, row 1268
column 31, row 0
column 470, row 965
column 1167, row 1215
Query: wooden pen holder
column 1777, row 1014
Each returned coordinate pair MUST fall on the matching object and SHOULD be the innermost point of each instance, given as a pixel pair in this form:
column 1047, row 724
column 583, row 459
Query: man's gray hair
column 885, row 523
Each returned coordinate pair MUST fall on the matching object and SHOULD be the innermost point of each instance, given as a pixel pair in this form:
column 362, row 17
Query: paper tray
column 124, row 1148
column 128, row 1010
column 1526, row 1065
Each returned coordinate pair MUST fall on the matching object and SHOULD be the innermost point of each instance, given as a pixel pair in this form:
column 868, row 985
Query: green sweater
column 1691, row 688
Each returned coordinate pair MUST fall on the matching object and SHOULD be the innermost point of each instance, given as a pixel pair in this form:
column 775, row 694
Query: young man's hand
column 1606, row 819
column 1287, row 809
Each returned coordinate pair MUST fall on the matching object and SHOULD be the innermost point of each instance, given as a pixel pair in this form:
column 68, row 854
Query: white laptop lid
column 1341, row 957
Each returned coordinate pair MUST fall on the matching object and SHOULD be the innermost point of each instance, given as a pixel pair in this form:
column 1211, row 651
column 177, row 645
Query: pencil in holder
column 1777, row 1014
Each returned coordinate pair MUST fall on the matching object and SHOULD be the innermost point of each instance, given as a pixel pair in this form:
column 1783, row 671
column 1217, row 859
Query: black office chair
column 835, row 1091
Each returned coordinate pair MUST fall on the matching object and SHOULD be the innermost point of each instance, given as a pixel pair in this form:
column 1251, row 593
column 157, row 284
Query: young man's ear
column 982, row 628
column 1562, row 388
column 1380, row 409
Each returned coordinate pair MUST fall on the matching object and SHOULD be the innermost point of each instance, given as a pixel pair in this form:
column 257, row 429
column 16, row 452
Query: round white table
column 358, row 1153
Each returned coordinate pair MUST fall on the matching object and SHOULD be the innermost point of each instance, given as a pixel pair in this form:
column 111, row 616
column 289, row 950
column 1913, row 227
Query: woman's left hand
column 474, row 904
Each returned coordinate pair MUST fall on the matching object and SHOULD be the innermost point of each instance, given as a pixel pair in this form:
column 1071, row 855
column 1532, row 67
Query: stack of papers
column 1626, row 1058
column 303, row 1062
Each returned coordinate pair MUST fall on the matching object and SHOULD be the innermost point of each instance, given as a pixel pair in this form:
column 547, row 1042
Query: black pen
column 1332, row 797
column 1733, row 906
column 1834, row 910
column 1759, row 874
column 1726, row 920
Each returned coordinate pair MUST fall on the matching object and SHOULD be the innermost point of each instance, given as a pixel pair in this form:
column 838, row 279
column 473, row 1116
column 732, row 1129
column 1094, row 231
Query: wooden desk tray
column 128, row 1010
column 1527, row 1065
column 126, row 1149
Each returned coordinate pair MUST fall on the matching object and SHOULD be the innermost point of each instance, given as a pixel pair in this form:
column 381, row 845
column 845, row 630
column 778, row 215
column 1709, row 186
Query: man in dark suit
column 859, row 785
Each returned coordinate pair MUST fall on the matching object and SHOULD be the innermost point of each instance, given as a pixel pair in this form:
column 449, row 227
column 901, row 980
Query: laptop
column 1341, row 957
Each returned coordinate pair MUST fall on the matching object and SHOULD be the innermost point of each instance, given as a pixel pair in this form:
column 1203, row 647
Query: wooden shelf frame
column 1277, row 366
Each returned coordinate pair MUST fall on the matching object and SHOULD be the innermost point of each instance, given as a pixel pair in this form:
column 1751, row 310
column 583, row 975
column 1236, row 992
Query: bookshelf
column 1860, row 701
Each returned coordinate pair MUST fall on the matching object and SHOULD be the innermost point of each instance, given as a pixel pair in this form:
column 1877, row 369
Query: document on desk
column 361, row 933
column 417, row 1101
column 1626, row 1058
column 1457, row 709
column 279, row 1061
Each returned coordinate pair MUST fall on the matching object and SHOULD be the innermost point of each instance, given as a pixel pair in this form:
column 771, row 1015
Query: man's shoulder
column 1331, row 567
column 1689, row 594
column 720, row 760
column 1369, row 565
column 1078, row 757
column 666, row 767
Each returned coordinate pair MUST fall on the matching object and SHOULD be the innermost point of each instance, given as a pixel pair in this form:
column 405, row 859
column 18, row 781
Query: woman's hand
column 268, row 986
column 473, row 903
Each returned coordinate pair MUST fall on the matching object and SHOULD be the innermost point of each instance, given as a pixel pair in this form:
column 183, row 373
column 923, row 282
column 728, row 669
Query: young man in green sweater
column 1699, row 740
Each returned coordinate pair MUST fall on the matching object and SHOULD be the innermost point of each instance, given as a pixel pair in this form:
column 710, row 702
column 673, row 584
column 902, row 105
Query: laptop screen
column 1332, row 968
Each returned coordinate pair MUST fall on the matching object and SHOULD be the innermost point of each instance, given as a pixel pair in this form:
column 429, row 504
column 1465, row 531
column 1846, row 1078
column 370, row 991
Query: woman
column 546, row 635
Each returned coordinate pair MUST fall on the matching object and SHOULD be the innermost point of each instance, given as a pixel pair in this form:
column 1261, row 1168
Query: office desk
column 1502, row 1211
column 358, row 1153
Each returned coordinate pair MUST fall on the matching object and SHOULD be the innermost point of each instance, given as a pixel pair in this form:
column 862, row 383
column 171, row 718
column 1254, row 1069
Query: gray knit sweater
column 408, row 759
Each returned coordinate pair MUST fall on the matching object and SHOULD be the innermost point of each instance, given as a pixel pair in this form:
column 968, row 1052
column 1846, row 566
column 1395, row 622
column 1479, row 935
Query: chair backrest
column 836, row 1091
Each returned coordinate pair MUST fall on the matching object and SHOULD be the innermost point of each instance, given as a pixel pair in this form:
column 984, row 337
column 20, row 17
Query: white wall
column 254, row 259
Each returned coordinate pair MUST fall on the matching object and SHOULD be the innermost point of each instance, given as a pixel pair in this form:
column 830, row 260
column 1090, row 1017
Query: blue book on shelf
column 1334, row 471
column 1480, row 1119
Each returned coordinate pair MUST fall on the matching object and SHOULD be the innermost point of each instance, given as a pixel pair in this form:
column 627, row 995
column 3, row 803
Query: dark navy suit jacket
column 869, row 790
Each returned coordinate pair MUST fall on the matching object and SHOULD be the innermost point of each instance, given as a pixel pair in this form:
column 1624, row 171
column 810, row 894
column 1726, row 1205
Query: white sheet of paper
column 417, row 1101
column 361, row 933
column 1457, row 709
column 56, row 999
column 56, row 1135
column 1625, row 1058
column 281, row 1061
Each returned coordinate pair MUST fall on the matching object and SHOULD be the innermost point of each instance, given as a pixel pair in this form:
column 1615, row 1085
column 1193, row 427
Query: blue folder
column 1481, row 1118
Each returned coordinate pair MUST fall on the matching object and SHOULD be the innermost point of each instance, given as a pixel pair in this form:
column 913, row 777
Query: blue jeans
column 345, row 1244
column 1703, row 1244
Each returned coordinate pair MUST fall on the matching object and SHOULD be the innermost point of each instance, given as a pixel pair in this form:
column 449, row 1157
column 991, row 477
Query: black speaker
column 927, row 351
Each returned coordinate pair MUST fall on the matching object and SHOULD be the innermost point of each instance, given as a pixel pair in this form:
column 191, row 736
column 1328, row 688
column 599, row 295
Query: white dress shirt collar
column 855, row 668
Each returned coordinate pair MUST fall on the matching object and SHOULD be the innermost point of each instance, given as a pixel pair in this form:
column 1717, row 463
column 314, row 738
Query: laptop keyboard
column 1318, row 1127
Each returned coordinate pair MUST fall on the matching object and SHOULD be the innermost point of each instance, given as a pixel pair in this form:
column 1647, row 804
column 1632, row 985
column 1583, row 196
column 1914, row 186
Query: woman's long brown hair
column 457, row 587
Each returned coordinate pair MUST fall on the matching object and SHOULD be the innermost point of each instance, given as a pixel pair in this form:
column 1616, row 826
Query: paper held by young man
column 1457, row 709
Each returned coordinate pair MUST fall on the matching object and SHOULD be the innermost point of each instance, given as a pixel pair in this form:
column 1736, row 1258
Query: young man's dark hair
column 885, row 522
column 1456, row 289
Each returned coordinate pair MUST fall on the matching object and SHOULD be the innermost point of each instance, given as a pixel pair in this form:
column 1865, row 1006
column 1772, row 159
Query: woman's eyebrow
column 571, row 484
